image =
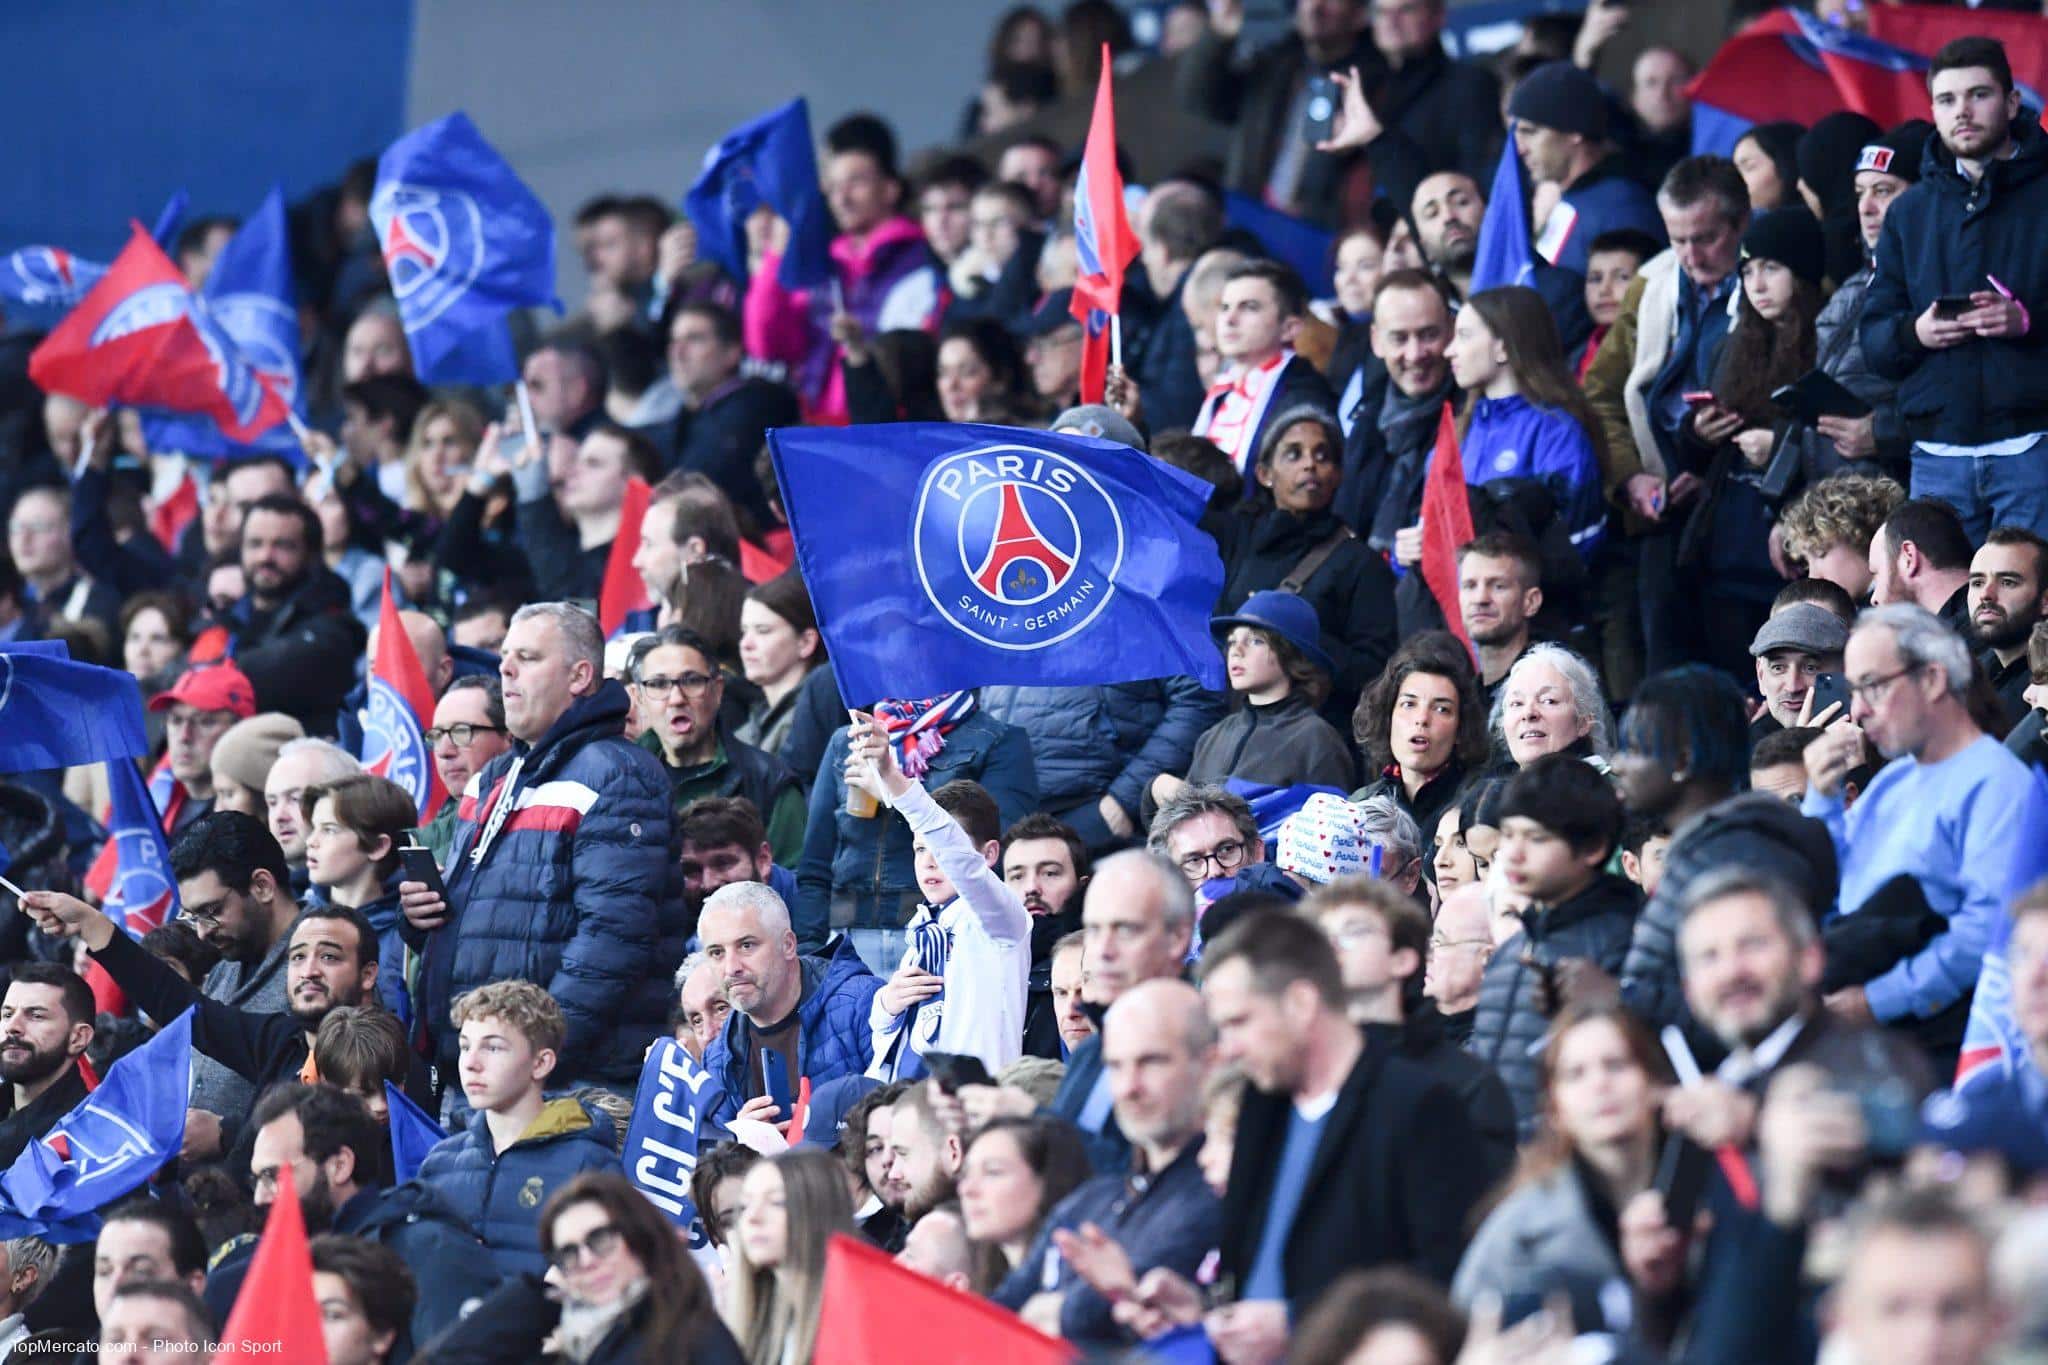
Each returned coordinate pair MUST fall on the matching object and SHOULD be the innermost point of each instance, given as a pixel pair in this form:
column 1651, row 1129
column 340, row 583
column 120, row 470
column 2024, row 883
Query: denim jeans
column 1988, row 490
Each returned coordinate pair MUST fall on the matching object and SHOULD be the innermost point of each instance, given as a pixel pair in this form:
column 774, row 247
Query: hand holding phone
column 420, row 867
column 775, row 1083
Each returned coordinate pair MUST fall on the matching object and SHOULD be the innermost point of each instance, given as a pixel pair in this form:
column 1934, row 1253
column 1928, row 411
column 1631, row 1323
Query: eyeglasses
column 1870, row 688
column 462, row 732
column 1227, row 856
column 601, row 1243
column 693, row 684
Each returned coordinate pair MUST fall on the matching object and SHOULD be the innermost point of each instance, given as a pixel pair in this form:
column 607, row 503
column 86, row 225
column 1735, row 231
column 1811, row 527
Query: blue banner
column 1300, row 243
column 413, row 1133
column 56, row 714
column 1505, row 256
column 118, row 1136
column 944, row 556
column 47, row 277
column 465, row 242
column 768, row 161
column 141, row 895
column 671, row 1124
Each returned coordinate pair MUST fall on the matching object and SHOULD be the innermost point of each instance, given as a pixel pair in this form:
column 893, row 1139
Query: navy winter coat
column 833, row 1038
column 577, row 894
column 498, row 1195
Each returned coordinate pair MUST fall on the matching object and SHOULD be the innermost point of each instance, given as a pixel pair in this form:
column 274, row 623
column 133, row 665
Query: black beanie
column 1559, row 95
column 1828, row 155
column 1790, row 237
column 1898, row 152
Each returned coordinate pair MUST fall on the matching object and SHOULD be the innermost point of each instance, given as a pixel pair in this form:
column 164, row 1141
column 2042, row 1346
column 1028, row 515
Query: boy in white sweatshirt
column 961, row 987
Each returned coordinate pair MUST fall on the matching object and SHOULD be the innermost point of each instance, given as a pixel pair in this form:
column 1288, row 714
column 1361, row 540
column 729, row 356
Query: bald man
column 937, row 1248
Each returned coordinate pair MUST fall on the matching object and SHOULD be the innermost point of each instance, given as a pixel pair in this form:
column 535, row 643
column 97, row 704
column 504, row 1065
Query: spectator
column 937, row 1248
column 1466, row 836
column 55, row 588
column 794, row 1203
column 1792, row 649
column 154, row 631
column 520, row 1144
column 46, row 1022
column 467, row 732
column 1768, row 158
column 1830, row 524
column 1179, row 220
column 724, row 413
column 242, row 758
column 994, row 277
column 2004, row 1105
column 1613, row 261
column 1096, row 1244
column 30, row 1262
column 723, row 841
column 1921, row 555
column 366, row 1296
column 1205, row 828
column 1258, row 316
column 1013, row 1172
column 1682, row 761
column 295, row 637
column 2008, row 597
column 982, row 375
column 1972, row 412
column 301, row 763
column 924, row 1153
column 1067, row 992
column 1459, row 948
column 1422, row 727
column 1394, row 420
column 1447, row 212
column 594, row 920
column 676, row 675
column 629, row 1289
column 1550, row 703
column 1657, row 97
column 203, row 705
column 1559, row 824
column 353, row 829
column 1322, row 1177
column 779, row 647
column 1559, row 116
column 1777, row 763
column 443, row 444
column 1500, row 591
column 1369, row 1312
column 1356, row 262
column 375, row 345
column 1382, row 939
column 145, row 1240
column 1665, row 344
column 813, row 1011
column 568, row 535
column 155, row 1321
column 1910, row 674
column 944, row 199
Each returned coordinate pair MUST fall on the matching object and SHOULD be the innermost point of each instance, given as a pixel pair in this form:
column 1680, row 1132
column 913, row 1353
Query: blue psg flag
column 672, row 1123
column 768, row 161
column 1505, row 256
column 141, row 894
column 55, row 713
column 413, row 1133
column 47, row 277
column 465, row 242
column 116, row 1138
column 249, row 296
column 945, row 556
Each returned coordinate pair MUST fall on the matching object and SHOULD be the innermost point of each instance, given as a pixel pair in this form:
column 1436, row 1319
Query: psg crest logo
column 393, row 746
column 45, row 274
column 433, row 247
column 258, row 323
column 158, row 304
column 141, row 888
column 1016, row 547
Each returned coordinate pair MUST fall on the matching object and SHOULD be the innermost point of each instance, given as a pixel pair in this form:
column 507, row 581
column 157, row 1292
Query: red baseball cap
column 210, row 687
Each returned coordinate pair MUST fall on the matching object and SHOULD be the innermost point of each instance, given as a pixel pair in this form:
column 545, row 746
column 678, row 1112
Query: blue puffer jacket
column 499, row 1194
column 857, row 873
column 833, row 1038
column 578, row 894
column 1086, row 741
column 1945, row 236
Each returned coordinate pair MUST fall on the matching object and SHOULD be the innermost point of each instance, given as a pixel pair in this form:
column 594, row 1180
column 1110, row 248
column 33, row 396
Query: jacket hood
column 1608, row 895
column 601, row 715
column 563, row 1118
column 823, row 975
column 2028, row 161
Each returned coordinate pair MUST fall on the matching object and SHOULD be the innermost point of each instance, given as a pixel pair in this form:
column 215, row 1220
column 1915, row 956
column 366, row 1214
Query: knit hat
column 1899, row 151
column 1561, row 96
column 1790, row 237
column 247, row 750
column 1828, row 156
column 1323, row 841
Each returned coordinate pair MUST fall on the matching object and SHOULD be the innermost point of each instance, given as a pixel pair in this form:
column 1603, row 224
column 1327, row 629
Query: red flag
column 623, row 590
column 169, row 518
column 277, row 1316
column 401, row 705
column 1446, row 523
column 875, row 1310
column 1102, row 238
column 137, row 339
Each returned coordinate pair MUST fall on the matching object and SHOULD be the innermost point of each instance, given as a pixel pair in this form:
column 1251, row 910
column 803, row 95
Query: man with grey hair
column 1206, row 832
column 301, row 763
column 559, row 871
column 810, row 1012
column 1953, row 809
column 702, row 1006
column 24, row 1275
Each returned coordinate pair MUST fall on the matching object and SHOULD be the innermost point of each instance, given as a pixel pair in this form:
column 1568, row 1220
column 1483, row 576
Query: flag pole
column 526, row 418
column 299, row 430
column 1116, row 340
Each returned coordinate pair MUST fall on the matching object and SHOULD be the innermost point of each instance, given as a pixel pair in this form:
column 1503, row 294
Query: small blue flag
column 768, row 161
column 413, row 1133
column 47, row 277
column 56, row 714
column 465, row 242
column 117, row 1137
column 170, row 219
column 671, row 1123
column 141, row 894
column 248, row 301
column 1505, row 256
column 945, row 556
column 1296, row 241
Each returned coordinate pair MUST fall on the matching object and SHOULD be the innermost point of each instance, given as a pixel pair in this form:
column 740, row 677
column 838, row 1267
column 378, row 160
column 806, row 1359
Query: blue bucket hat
column 1287, row 616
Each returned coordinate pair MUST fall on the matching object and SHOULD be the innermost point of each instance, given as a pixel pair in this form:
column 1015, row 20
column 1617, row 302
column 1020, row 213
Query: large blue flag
column 465, row 242
column 47, row 277
column 946, row 556
column 56, row 714
column 248, row 296
column 1505, row 256
column 768, row 161
column 671, row 1123
column 413, row 1133
column 118, row 1136
column 141, row 894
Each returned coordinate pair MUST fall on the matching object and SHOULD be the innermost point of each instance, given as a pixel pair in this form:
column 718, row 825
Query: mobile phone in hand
column 775, row 1083
column 421, row 867
column 1830, row 689
column 1953, row 305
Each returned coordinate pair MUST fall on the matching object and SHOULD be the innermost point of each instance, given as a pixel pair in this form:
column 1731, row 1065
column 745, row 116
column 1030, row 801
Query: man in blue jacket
column 1560, row 131
column 560, row 872
column 1960, row 272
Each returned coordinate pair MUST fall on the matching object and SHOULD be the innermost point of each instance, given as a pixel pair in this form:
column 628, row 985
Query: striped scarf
column 917, row 730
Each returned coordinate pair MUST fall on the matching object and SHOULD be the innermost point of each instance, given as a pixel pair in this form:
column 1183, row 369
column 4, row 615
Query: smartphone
column 1698, row 397
column 775, row 1083
column 1953, row 305
column 1319, row 110
column 951, row 1070
column 421, row 867
column 1829, row 689
column 1682, row 1170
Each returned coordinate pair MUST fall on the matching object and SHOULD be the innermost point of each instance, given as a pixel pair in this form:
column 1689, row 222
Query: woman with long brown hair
column 792, row 1204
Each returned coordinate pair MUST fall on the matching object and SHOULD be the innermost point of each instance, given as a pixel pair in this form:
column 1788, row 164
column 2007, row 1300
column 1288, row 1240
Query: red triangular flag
column 875, row 1310
column 1446, row 523
column 169, row 518
column 401, row 706
column 802, row 1115
column 1103, row 239
column 138, row 339
column 623, row 590
column 277, row 1316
